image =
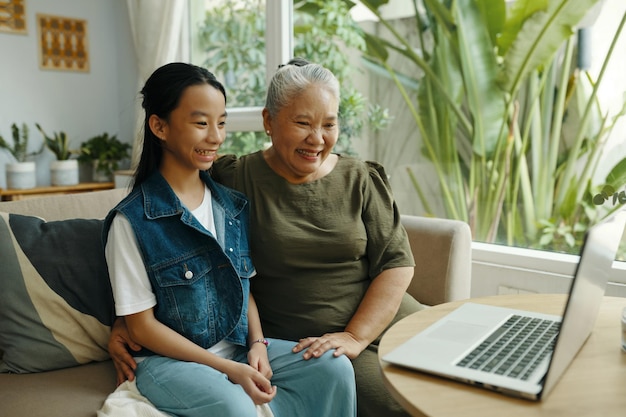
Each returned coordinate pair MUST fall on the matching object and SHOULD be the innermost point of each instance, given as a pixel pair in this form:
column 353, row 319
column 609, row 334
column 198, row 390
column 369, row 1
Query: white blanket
column 126, row 401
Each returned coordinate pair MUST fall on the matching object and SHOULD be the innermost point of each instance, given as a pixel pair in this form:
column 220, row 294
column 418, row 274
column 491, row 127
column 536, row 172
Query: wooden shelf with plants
column 17, row 194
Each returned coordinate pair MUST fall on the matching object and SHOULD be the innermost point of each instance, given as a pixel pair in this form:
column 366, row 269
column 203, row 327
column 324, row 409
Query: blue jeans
column 322, row 387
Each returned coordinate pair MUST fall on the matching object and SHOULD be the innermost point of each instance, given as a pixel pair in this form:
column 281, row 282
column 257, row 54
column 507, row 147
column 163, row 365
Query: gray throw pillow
column 57, row 305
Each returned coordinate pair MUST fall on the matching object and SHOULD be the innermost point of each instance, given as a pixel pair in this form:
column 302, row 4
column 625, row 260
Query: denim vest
column 201, row 284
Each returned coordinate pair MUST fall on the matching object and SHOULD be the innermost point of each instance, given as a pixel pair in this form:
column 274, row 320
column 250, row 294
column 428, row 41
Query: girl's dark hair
column 161, row 95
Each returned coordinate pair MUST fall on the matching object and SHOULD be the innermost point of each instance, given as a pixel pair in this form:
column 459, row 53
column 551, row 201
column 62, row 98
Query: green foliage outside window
column 232, row 38
column 513, row 128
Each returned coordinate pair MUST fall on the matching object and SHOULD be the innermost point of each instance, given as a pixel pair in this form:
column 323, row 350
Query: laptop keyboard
column 515, row 349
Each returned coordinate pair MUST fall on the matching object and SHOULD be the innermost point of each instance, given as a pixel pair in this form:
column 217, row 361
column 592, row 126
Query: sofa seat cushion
column 72, row 392
column 57, row 304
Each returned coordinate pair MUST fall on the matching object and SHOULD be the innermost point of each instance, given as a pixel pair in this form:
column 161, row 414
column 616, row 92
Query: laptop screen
column 588, row 286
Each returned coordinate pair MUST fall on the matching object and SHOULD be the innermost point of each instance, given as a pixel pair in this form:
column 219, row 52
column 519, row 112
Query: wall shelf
column 14, row 194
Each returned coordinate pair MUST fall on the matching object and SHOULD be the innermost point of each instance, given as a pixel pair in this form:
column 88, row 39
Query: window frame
column 279, row 49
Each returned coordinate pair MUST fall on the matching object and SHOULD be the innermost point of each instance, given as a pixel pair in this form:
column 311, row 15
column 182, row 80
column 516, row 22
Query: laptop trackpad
column 458, row 331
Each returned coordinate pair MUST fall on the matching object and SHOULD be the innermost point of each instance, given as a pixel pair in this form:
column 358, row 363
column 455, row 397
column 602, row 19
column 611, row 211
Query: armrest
column 442, row 251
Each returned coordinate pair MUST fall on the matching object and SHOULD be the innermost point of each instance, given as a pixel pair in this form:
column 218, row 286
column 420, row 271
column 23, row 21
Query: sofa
column 55, row 302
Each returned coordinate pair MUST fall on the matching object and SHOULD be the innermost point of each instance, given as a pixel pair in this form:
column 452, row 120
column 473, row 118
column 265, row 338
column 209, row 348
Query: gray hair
column 291, row 79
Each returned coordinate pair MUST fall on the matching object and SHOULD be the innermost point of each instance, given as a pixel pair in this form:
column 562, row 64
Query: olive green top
column 316, row 246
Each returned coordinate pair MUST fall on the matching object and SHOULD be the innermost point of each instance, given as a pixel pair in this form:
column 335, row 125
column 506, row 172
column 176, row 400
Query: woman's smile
column 308, row 153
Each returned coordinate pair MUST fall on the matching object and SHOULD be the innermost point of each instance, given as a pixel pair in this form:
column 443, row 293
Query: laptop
column 516, row 352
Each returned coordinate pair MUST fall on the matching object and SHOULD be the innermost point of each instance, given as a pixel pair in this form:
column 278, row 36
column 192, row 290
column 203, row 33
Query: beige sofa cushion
column 91, row 205
column 71, row 392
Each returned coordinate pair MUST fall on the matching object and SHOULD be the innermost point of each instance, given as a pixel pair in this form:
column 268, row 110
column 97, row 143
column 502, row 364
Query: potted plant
column 105, row 153
column 63, row 171
column 20, row 174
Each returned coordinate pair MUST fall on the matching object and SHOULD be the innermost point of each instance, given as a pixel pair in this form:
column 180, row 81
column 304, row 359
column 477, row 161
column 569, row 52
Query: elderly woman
column 332, row 258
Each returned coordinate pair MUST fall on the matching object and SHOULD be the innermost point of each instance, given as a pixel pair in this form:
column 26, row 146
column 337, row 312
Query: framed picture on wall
column 62, row 43
column 13, row 16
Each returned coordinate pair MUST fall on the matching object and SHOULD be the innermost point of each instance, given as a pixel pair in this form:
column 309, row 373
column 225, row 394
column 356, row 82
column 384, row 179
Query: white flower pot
column 100, row 175
column 21, row 175
column 64, row 172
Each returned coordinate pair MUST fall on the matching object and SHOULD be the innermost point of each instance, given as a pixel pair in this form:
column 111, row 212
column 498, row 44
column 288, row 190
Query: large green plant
column 498, row 85
column 233, row 41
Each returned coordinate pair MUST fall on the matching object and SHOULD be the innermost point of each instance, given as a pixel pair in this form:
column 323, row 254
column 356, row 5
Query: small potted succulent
column 104, row 153
column 22, row 173
column 63, row 171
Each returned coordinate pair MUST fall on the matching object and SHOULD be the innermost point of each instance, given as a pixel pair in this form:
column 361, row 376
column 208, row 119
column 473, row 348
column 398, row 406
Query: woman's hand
column 119, row 342
column 343, row 342
column 253, row 382
column 376, row 310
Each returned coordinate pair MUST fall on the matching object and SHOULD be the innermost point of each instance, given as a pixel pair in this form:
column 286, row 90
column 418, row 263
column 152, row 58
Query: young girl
column 179, row 264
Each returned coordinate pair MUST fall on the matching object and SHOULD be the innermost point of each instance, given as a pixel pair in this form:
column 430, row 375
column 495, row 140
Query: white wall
column 80, row 104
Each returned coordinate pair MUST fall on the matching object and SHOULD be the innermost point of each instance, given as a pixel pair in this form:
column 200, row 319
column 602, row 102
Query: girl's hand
column 258, row 359
column 119, row 343
column 257, row 386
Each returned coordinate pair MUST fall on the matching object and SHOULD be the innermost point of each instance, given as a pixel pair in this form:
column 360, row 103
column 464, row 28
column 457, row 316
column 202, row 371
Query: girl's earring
column 268, row 133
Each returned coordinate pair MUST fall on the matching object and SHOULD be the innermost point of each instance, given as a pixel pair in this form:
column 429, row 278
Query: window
column 231, row 40
column 242, row 65
column 396, row 147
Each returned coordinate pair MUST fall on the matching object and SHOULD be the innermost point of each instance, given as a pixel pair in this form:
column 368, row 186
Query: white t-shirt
column 131, row 286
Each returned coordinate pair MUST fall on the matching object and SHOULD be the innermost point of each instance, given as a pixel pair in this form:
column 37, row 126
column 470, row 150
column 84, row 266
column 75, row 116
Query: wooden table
column 14, row 194
column 593, row 385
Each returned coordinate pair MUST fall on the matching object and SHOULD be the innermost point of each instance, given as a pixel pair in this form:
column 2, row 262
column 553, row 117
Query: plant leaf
column 374, row 4
column 375, row 47
column 479, row 68
column 616, row 178
column 541, row 35
column 440, row 13
column 519, row 12
column 494, row 14
column 380, row 71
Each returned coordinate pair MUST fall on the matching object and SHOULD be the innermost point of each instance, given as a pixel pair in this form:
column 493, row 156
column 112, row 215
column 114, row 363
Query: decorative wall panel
column 13, row 16
column 62, row 43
